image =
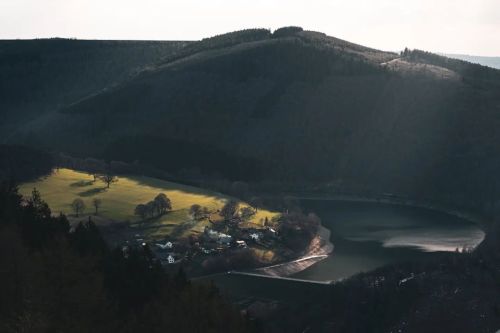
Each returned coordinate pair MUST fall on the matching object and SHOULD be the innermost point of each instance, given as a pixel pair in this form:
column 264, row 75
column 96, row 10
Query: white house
column 170, row 259
column 225, row 239
column 167, row 245
column 241, row 243
column 219, row 237
column 254, row 236
column 212, row 234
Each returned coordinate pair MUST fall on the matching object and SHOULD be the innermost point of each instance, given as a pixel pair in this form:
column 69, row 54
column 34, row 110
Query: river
column 365, row 236
column 368, row 235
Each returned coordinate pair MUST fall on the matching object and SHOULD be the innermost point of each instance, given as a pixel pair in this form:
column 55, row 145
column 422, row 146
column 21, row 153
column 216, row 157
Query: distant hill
column 493, row 62
column 299, row 107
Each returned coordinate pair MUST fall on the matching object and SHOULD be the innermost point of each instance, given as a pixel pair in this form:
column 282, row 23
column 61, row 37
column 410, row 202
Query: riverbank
column 319, row 249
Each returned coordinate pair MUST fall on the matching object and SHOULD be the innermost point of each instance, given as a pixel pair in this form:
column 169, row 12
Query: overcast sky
column 451, row 26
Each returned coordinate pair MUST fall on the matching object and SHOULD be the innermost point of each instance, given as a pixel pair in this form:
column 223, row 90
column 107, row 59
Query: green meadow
column 119, row 201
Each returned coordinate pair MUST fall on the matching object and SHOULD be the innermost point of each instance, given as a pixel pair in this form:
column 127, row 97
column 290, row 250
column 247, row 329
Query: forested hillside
column 300, row 107
column 40, row 76
column 20, row 163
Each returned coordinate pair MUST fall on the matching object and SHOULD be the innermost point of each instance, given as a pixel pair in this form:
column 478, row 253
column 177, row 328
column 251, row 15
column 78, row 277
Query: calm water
column 369, row 235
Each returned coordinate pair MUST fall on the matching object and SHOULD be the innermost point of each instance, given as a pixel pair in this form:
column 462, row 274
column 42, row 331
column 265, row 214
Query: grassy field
column 119, row 201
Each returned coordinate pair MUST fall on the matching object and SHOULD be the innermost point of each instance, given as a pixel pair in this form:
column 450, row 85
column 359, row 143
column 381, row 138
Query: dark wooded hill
column 41, row 76
column 299, row 106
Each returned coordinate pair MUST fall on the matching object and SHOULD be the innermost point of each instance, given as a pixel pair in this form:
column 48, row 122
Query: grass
column 119, row 201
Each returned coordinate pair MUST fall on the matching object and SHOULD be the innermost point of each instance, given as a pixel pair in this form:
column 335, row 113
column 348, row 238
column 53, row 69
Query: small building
column 271, row 233
column 254, row 236
column 167, row 245
column 212, row 234
column 170, row 259
column 241, row 243
column 225, row 239
column 218, row 237
column 125, row 251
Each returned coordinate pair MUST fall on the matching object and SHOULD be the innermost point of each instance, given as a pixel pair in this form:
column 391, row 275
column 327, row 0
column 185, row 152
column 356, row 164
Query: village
column 228, row 232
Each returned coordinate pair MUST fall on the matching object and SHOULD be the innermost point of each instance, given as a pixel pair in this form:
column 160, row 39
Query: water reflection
column 370, row 235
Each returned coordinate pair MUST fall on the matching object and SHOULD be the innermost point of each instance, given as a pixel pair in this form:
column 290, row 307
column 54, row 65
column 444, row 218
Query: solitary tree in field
column 97, row 204
column 141, row 210
column 162, row 203
column 78, row 206
column 229, row 209
column 109, row 179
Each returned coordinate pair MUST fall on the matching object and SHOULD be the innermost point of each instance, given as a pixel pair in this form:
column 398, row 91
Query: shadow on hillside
column 82, row 183
column 92, row 192
column 170, row 185
column 151, row 222
column 183, row 227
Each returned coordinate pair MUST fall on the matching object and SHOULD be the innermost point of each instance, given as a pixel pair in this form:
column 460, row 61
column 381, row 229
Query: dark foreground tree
column 50, row 272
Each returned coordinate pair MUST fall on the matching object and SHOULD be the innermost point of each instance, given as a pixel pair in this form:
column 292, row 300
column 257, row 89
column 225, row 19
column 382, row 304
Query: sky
column 448, row 26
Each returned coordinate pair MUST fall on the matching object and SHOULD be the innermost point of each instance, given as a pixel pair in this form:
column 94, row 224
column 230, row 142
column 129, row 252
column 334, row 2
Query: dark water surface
column 370, row 235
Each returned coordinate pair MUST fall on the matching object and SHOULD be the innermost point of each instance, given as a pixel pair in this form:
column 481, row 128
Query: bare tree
column 78, row 206
column 96, row 202
column 108, row 178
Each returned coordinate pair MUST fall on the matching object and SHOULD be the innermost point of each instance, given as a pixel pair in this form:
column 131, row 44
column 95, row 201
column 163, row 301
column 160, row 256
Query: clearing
column 119, row 201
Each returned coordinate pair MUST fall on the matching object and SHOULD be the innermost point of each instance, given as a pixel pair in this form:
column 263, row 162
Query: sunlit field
column 120, row 200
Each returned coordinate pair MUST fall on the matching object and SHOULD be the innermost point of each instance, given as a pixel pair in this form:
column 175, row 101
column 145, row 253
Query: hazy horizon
column 455, row 27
